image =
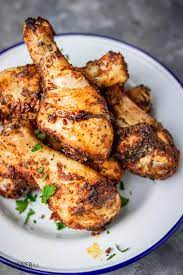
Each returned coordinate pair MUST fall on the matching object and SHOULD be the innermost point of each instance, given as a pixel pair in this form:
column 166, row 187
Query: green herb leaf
column 35, row 221
column 110, row 257
column 124, row 201
column 48, row 191
column 21, row 205
column 119, row 249
column 29, row 214
column 60, row 225
column 40, row 170
column 121, row 186
column 108, row 232
column 37, row 147
column 44, row 176
column 31, row 197
column 40, row 135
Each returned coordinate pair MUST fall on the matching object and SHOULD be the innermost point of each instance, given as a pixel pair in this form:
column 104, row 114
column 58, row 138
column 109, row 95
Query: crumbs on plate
column 94, row 250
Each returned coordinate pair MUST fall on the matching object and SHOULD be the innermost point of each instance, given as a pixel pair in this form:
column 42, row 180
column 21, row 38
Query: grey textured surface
column 155, row 26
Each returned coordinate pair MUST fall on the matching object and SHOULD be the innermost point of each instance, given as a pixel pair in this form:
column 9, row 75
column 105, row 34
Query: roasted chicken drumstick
column 72, row 110
column 144, row 146
column 20, row 94
column 83, row 199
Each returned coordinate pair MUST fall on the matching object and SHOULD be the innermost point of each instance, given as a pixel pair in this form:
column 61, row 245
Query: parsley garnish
column 40, row 135
column 37, row 147
column 44, row 176
column 108, row 232
column 124, row 201
column 29, row 214
column 121, row 186
column 31, row 197
column 40, row 170
column 48, row 191
column 122, row 251
column 21, row 205
column 110, row 257
column 60, row 225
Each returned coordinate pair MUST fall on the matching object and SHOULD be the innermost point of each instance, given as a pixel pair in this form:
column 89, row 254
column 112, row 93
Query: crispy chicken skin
column 107, row 71
column 141, row 95
column 72, row 110
column 144, row 146
column 83, row 199
column 11, row 185
column 20, row 88
column 20, row 92
column 110, row 168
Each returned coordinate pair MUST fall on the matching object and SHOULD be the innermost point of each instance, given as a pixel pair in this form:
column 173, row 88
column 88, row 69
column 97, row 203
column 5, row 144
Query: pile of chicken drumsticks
column 91, row 129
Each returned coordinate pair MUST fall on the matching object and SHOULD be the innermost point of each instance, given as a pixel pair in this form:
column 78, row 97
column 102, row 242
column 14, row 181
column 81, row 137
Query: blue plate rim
column 147, row 251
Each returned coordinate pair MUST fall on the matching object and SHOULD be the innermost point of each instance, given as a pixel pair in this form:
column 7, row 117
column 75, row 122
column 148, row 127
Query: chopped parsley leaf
column 31, row 197
column 47, row 192
column 124, row 201
column 29, row 214
column 21, row 205
column 121, row 186
column 35, row 221
column 110, row 257
column 60, row 225
column 119, row 249
column 44, row 176
column 37, row 147
column 40, row 170
column 41, row 136
column 108, row 232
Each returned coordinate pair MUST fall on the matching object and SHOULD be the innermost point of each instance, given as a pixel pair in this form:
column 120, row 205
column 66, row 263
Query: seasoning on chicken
column 111, row 169
column 144, row 146
column 20, row 93
column 20, row 88
column 72, row 110
column 17, row 105
column 109, row 70
column 13, row 186
column 141, row 95
column 83, row 198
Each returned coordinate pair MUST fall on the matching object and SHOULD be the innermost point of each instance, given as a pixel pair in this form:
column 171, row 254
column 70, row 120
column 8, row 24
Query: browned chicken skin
column 13, row 186
column 141, row 95
column 144, row 146
column 107, row 71
column 83, row 200
column 72, row 110
column 20, row 93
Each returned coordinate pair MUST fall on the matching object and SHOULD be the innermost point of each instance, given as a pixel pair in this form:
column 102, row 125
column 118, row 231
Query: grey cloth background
column 156, row 26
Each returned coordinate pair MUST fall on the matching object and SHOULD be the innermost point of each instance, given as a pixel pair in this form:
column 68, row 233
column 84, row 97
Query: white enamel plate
column 155, row 209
